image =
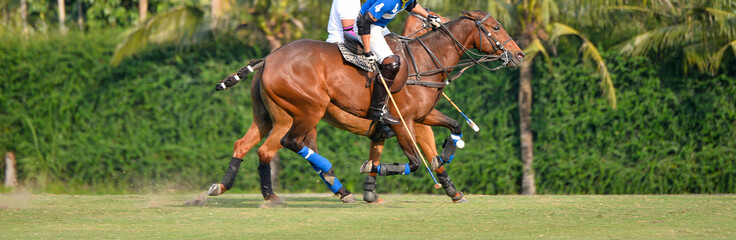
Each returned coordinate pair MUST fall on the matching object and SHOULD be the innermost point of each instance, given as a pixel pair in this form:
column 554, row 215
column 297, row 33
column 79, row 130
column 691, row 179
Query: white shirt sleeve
column 348, row 9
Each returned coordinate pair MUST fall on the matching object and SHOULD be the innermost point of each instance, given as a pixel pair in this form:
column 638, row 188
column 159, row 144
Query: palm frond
column 503, row 12
column 659, row 39
column 534, row 48
column 548, row 10
column 716, row 59
column 590, row 52
column 726, row 22
column 177, row 25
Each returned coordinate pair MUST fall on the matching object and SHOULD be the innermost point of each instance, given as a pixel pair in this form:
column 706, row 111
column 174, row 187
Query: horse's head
column 493, row 38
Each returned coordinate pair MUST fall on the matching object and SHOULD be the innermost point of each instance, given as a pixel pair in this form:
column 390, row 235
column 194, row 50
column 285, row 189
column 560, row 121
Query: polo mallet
column 470, row 122
column 391, row 97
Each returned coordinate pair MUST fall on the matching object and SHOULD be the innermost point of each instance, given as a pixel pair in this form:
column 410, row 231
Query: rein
column 465, row 64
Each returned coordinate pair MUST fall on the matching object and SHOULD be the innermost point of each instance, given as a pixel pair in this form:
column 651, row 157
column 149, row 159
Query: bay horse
column 262, row 124
column 337, row 100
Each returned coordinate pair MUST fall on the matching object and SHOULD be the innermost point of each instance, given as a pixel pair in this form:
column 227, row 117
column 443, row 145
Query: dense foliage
column 155, row 122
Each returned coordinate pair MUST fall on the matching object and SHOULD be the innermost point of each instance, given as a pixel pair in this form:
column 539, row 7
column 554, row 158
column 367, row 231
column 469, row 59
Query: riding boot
column 378, row 111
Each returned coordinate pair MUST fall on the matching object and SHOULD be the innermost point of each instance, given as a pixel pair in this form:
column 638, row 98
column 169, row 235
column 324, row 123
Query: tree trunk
column 80, row 15
column 216, row 12
column 11, row 175
column 525, row 120
column 24, row 15
column 142, row 11
column 62, row 16
column 5, row 15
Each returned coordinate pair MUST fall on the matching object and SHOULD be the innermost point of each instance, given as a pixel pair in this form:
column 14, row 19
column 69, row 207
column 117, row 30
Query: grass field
column 321, row 216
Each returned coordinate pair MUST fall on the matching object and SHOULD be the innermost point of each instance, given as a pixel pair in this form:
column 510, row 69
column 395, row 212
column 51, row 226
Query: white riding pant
column 379, row 47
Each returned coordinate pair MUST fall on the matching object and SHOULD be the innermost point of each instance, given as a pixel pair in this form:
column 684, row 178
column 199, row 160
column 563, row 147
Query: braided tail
column 233, row 79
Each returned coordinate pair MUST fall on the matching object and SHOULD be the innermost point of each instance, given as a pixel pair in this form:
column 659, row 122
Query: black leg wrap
column 369, row 195
column 448, row 151
column 264, row 171
column 343, row 192
column 447, row 184
column 370, row 183
column 232, row 171
column 393, row 169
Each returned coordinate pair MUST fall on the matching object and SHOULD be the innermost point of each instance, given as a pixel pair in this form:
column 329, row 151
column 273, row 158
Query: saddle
column 352, row 51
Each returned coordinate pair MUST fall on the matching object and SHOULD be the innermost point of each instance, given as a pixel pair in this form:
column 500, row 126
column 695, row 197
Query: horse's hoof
column 274, row 200
column 348, row 198
column 366, row 167
column 370, row 196
column 459, row 198
column 216, row 189
column 435, row 163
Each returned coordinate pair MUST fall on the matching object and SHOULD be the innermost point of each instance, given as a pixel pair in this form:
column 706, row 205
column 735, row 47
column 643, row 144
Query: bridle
column 473, row 58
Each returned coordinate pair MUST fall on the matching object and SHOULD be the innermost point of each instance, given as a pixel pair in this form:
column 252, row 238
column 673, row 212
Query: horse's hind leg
column 266, row 152
column 258, row 129
column 242, row 146
column 304, row 122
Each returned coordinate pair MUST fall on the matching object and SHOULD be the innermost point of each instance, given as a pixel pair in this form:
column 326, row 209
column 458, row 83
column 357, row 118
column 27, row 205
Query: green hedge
column 156, row 123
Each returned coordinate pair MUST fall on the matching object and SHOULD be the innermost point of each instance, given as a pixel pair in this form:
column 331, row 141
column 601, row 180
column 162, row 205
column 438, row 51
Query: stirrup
column 385, row 117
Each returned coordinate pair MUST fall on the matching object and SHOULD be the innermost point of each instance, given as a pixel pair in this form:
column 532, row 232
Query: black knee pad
column 390, row 67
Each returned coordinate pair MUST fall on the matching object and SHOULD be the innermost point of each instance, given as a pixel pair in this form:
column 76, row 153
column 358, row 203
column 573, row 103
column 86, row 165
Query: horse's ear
column 467, row 14
column 475, row 15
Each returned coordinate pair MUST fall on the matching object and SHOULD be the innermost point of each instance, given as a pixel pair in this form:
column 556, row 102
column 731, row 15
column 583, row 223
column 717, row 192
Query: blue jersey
column 384, row 10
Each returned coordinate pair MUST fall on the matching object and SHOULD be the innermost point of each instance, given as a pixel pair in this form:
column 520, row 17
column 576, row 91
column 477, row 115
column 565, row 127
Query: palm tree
column 698, row 31
column 62, row 16
column 536, row 25
column 274, row 21
column 142, row 11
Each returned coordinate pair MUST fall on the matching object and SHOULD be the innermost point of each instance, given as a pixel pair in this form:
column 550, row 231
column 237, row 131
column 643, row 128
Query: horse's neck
column 442, row 46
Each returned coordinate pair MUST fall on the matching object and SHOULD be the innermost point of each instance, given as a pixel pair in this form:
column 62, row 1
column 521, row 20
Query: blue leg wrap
column 319, row 163
column 334, row 187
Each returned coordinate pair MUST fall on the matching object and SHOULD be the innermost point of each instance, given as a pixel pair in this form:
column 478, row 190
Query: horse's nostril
column 520, row 56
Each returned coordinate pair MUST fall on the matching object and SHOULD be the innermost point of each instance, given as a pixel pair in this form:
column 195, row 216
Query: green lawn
column 321, row 216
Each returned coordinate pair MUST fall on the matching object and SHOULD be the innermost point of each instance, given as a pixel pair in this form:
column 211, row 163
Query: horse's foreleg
column 436, row 118
column 369, row 187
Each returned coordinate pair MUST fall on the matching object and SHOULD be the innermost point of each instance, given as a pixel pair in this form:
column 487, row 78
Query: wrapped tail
column 233, row 79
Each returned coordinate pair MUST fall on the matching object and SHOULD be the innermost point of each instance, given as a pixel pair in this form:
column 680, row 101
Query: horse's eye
column 496, row 28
